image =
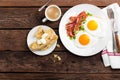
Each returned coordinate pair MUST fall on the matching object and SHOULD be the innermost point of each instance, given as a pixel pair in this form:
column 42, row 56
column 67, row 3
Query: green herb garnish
column 89, row 14
column 76, row 32
column 74, row 37
column 82, row 27
column 71, row 38
column 84, row 22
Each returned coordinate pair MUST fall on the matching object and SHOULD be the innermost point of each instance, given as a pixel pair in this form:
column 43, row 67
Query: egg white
column 98, row 32
column 93, row 40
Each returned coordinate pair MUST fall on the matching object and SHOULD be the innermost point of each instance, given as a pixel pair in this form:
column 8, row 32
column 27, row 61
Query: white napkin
column 109, row 59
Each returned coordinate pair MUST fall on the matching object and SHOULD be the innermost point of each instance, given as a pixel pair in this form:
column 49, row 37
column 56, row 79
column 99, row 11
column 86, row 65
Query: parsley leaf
column 74, row 37
column 71, row 38
column 89, row 14
column 84, row 22
column 76, row 32
column 82, row 28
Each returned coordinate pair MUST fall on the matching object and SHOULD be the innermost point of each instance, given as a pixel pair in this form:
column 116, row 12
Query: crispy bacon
column 70, row 29
column 73, row 19
column 83, row 15
column 75, row 22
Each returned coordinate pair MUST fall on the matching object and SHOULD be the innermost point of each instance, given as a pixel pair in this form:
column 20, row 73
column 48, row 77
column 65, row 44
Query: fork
column 111, row 17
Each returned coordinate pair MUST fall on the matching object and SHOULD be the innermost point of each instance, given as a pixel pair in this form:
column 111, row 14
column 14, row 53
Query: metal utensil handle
column 117, row 41
column 44, row 20
column 115, row 50
column 41, row 8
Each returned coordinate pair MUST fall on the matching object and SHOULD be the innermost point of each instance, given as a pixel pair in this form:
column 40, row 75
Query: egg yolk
column 92, row 25
column 84, row 39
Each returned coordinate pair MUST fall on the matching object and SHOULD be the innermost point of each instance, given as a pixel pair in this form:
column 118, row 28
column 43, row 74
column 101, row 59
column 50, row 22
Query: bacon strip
column 74, row 24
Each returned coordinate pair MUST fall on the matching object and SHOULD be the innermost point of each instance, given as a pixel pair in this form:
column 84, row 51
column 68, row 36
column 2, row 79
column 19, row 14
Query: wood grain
column 54, row 76
column 16, row 40
column 24, row 18
column 17, row 17
column 28, row 62
column 58, row 2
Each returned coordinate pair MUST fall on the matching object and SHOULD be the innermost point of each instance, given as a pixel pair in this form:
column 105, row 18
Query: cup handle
column 44, row 20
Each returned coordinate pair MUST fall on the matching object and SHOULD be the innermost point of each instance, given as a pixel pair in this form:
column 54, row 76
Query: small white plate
column 69, row 44
column 31, row 38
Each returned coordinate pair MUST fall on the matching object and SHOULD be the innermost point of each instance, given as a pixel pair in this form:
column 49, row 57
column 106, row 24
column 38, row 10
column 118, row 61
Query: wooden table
column 17, row 18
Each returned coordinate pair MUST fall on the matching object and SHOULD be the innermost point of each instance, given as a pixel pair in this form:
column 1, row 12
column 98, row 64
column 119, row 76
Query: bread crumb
column 57, row 57
column 58, row 45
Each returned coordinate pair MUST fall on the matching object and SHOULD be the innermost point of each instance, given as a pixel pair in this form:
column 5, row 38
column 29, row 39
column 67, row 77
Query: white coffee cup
column 52, row 13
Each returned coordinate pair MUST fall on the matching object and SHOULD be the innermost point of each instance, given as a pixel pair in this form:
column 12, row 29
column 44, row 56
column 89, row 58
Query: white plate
column 100, row 45
column 31, row 38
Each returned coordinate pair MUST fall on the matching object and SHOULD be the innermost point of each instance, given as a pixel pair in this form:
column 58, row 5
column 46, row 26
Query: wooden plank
column 58, row 2
column 24, row 18
column 69, row 63
column 51, row 76
column 15, row 40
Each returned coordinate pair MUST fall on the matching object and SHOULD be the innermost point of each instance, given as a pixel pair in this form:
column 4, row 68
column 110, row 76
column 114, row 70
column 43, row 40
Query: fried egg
column 93, row 26
column 83, row 39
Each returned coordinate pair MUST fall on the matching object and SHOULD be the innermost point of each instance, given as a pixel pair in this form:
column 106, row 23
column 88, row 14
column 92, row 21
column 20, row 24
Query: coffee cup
column 52, row 13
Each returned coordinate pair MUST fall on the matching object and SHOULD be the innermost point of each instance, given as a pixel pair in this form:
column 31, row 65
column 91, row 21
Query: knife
column 116, row 37
column 116, row 25
column 117, row 42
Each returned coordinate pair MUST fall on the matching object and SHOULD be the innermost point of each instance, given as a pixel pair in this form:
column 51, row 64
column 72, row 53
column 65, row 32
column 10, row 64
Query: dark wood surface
column 17, row 18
